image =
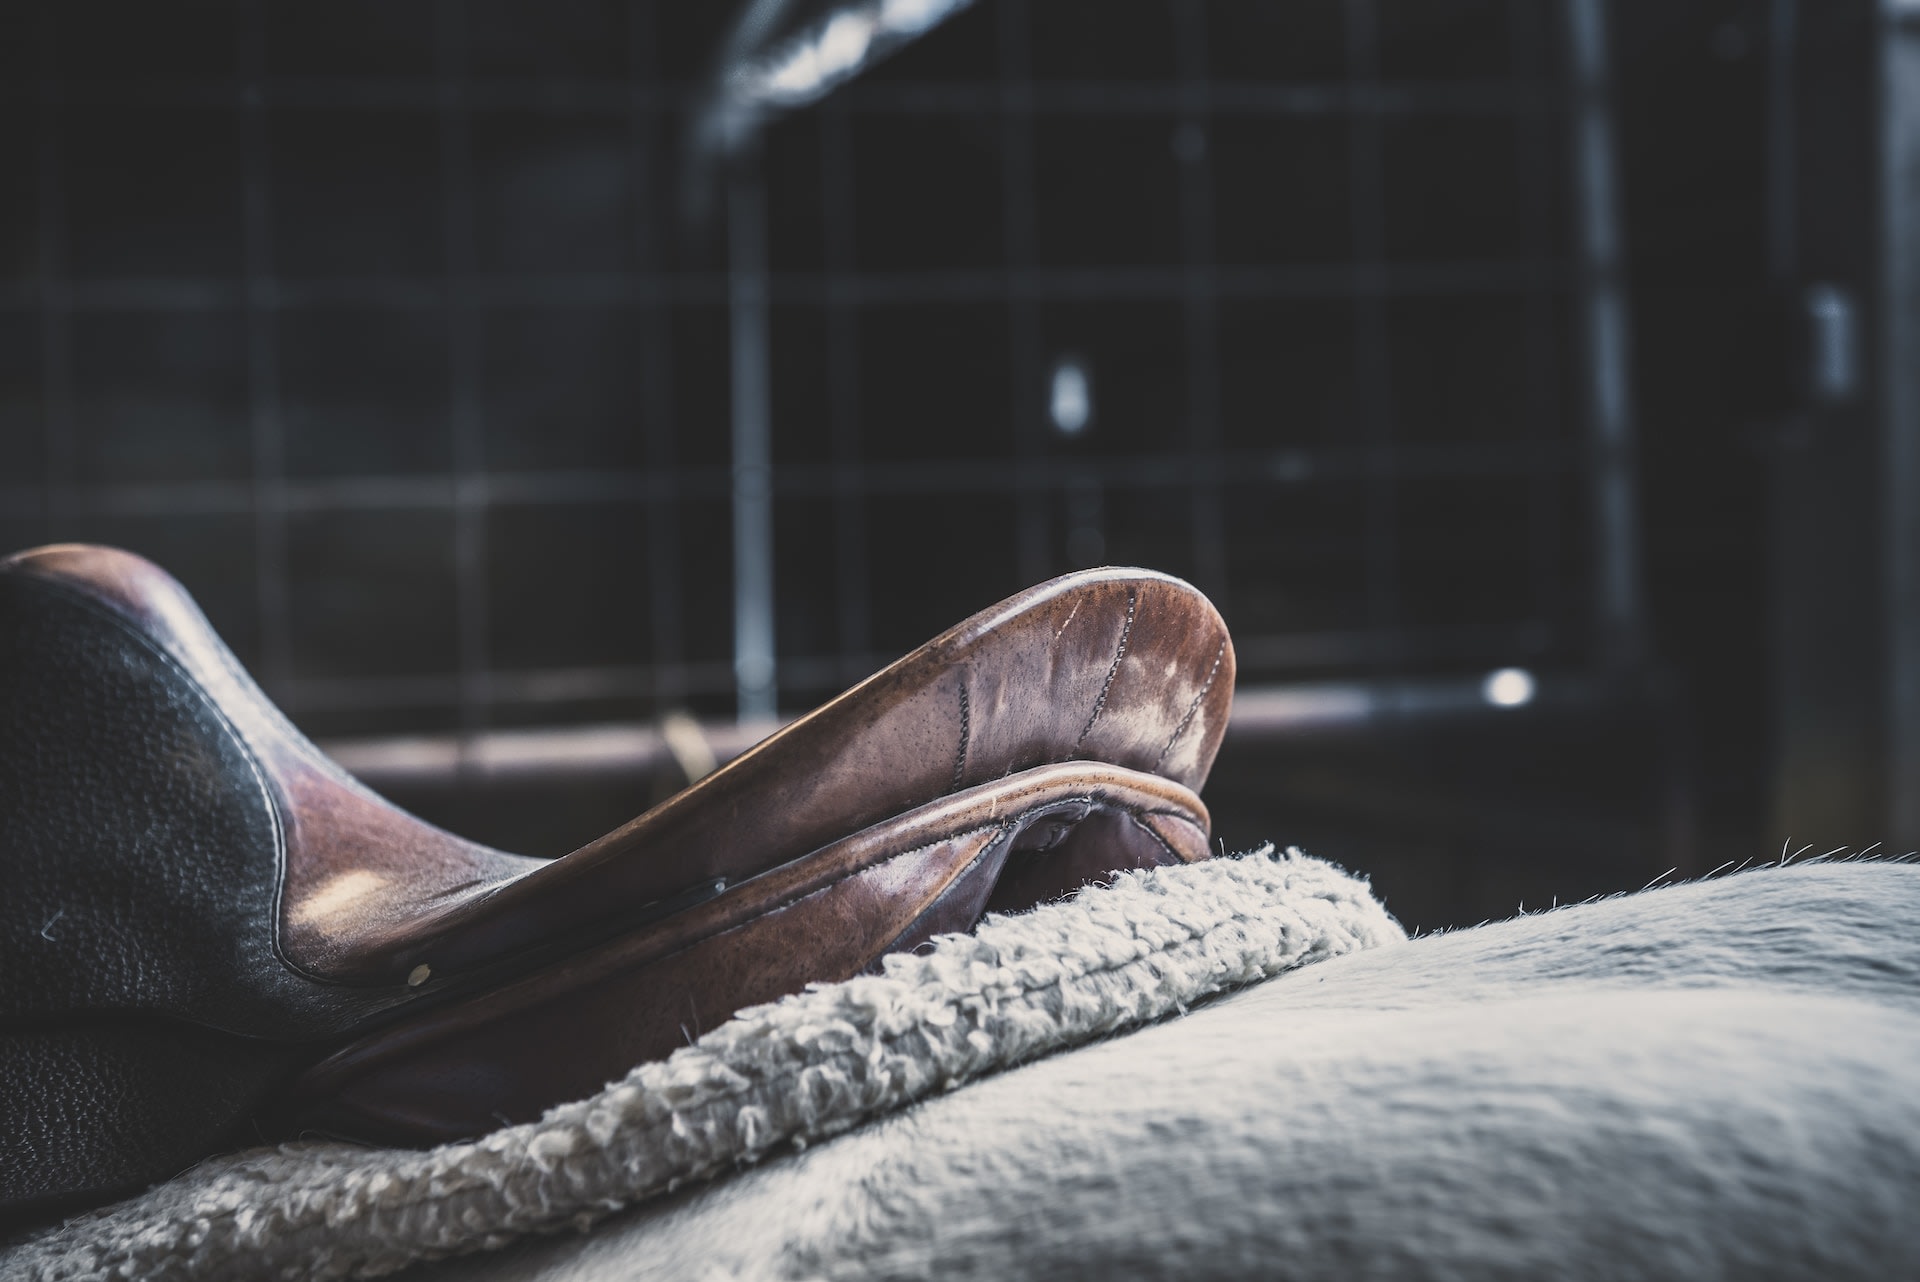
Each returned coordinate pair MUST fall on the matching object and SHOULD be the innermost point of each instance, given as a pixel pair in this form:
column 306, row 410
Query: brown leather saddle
column 211, row 934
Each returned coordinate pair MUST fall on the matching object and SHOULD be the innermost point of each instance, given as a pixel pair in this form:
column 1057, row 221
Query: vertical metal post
column 56, row 313
column 1536, row 154
column 470, row 491
column 851, row 572
column 662, row 534
column 1900, row 388
column 1373, row 361
column 1023, row 308
column 263, row 380
column 1782, row 168
column 1199, row 300
column 1828, row 695
column 753, row 652
column 1618, row 601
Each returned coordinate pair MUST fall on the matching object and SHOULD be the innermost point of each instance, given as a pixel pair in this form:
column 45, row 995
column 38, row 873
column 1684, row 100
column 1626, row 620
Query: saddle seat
column 212, row 933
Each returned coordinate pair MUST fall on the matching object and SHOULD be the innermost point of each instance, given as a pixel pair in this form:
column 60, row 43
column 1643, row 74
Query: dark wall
column 1750, row 144
column 384, row 327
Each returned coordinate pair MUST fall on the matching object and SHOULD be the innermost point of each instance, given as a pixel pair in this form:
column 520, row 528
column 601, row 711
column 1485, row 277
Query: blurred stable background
column 1531, row 384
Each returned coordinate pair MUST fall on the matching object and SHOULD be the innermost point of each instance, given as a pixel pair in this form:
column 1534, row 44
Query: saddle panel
column 142, row 846
column 200, row 905
column 1117, row 667
column 354, row 867
column 1124, row 667
column 562, row 1033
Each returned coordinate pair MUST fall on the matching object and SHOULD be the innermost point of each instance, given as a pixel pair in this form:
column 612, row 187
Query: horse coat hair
column 1711, row 1080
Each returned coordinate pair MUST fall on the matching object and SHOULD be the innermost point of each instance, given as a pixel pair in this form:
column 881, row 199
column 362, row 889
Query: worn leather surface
column 356, row 865
column 140, row 836
column 1122, row 667
column 96, row 1109
column 505, row 1056
column 177, row 854
column 141, row 848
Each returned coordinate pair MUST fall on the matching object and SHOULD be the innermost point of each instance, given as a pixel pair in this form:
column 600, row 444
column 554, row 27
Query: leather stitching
column 966, row 731
column 1198, row 699
column 1006, row 824
column 1002, row 827
column 1113, row 670
column 1104, row 966
column 940, row 897
column 1134, row 818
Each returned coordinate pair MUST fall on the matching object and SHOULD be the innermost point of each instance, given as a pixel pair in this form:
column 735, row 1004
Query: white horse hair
column 1718, row 1080
column 1712, row 1080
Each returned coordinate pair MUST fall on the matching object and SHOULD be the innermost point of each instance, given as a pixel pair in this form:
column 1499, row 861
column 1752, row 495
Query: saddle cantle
column 210, row 933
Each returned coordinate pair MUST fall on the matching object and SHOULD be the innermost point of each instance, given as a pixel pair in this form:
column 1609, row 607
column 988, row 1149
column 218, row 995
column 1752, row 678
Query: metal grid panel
column 1214, row 222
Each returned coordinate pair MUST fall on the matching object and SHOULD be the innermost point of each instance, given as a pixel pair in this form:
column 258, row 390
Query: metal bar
column 1782, row 155
column 512, row 756
column 628, row 750
column 534, row 688
column 1199, row 306
column 1293, row 467
column 1373, row 361
column 853, row 594
column 1017, row 283
column 51, row 295
column 262, row 360
column 585, row 97
column 470, row 498
column 752, row 463
column 548, row 687
column 1617, row 604
column 1401, row 647
column 652, row 195
column 1828, row 695
column 1020, row 227
column 1899, row 307
column 1264, row 713
column 1242, row 98
column 1534, row 159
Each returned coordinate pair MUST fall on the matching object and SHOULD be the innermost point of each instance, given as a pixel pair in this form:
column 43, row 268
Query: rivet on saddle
column 211, row 933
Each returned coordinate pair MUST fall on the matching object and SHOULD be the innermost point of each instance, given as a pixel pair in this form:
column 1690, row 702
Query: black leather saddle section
column 142, row 841
column 94, row 1110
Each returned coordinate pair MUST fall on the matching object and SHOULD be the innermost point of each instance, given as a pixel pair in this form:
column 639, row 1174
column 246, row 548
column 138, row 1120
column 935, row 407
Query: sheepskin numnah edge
column 791, row 1072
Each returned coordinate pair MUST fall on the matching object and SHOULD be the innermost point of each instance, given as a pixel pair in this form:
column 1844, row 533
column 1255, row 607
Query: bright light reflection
column 339, row 897
column 832, row 52
column 813, row 66
column 1071, row 403
column 1508, row 688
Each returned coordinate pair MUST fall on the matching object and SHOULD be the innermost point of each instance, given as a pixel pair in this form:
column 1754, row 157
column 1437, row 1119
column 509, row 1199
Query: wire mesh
column 387, row 335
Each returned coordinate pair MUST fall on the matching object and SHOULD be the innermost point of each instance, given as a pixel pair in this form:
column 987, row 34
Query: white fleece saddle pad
column 1710, row 1081
column 1719, row 1079
column 775, row 1077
